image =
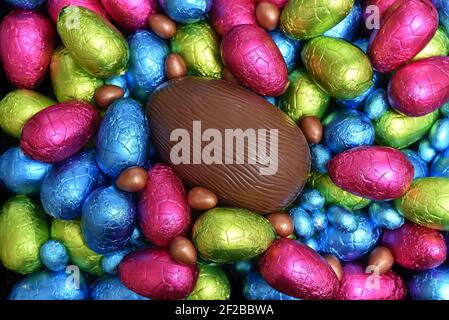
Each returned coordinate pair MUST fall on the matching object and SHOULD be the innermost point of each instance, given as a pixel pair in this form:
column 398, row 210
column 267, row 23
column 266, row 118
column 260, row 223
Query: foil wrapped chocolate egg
column 212, row 284
column 122, row 139
column 253, row 58
column 342, row 218
column 130, row 15
column 111, row 288
column 108, row 219
column 103, row 53
column 338, row 67
column 231, row 234
column 110, row 262
column 384, row 215
column 69, row 80
column 278, row 3
column 26, row 44
column 426, row 203
column 439, row 135
column 293, row 268
column 419, row 164
column 430, row 285
column 227, row 14
column 23, row 229
column 347, row 28
column 256, row 288
column 438, row 46
column 406, row 28
column 153, row 274
column 59, row 131
column 54, row 255
column 146, row 66
column 427, row 152
column 288, row 47
column 68, row 232
column 376, row 104
column 163, row 210
column 18, row 106
column 305, row 19
column 415, row 247
column 186, row 11
column 25, row 4
column 119, row 81
column 55, row 6
column 440, row 164
column 375, row 172
column 20, row 174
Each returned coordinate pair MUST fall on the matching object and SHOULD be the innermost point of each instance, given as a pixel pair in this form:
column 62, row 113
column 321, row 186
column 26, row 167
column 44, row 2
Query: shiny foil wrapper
column 54, row 7
column 111, row 288
column 131, row 15
column 438, row 46
column 227, row 14
column 430, row 285
column 212, row 284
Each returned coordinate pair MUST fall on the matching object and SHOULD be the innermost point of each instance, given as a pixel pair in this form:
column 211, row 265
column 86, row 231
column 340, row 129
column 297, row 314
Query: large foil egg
column 55, row 6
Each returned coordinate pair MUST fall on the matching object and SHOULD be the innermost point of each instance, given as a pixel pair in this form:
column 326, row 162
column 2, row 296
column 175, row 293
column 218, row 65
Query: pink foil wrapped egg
column 59, row 131
column 406, row 28
column 55, row 6
column 373, row 172
column 152, row 273
column 163, row 210
column 297, row 270
column 26, row 46
column 420, row 87
column 381, row 5
column 130, row 15
column 227, row 14
column 253, row 58
column 358, row 285
column 278, row 3
column 415, row 247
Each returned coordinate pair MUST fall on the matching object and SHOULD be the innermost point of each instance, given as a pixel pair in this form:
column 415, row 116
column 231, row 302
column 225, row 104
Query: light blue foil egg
column 440, row 165
column 146, row 66
column 25, row 4
column 320, row 155
column 54, row 255
column 385, row 215
column 350, row 246
column 302, row 222
column 347, row 28
column 342, row 218
column 346, row 129
column 244, row 267
column 186, row 11
column 311, row 199
column 288, row 47
column 21, row 174
column 122, row 139
column 48, row 285
column 137, row 239
column 426, row 151
column 312, row 243
column 111, row 288
column 108, row 219
column 256, row 288
column 419, row 165
column 319, row 219
column 439, row 135
column 376, row 104
column 110, row 262
column 119, row 81
column 430, row 284
column 68, row 184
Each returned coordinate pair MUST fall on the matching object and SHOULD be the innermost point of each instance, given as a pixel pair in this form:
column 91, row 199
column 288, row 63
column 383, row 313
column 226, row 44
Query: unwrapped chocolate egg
column 55, row 6
column 227, row 14
column 212, row 284
column 130, row 15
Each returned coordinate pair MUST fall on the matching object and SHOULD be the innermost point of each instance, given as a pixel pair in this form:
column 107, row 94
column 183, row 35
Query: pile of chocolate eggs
column 224, row 149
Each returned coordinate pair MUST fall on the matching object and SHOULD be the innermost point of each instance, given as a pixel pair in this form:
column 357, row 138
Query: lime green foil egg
column 399, row 131
column 68, row 232
column 23, row 229
column 338, row 67
column 18, row 106
column 69, row 80
column 96, row 45
column 199, row 46
column 427, row 203
column 212, row 284
column 230, row 234
column 303, row 97
column 335, row 195
column 305, row 19
column 438, row 46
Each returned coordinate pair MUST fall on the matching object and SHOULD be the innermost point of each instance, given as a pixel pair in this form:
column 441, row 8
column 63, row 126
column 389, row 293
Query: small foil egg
column 440, row 165
column 25, row 4
column 438, row 46
column 122, row 139
column 256, row 288
column 146, row 66
column 23, row 229
column 426, row 150
column 439, row 134
column 186, row 11
column 342, row 218
column 278, row 3
column 212, row 284
column 288, row 47
column 153, row 274
column 111, row 288
column 311, row 199
column 227, row 14
column 130, row 15
column 302, row 222
column 54, row 255
column 376, row 104
column 384, row 215
column 55, row 6
column 419, row 165
column 26, row 45
column 347, row 28
column 119, row 81
column 320, row 156
column 21, row 174
column 66, row 187
column 110, row 262
column 430, row 285
column 251, row 55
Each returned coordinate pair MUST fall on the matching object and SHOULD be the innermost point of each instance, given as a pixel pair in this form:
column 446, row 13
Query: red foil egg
column 59, row 131
column 131, row 15
column 226, row 14
column 153, row 274
column 420, row 87
column 254, row 59
column 415, row 247
column 55, row 6
column 26, row 46
column 164, row 212
column 373, row 172
column 405, row 29
column 295, row 269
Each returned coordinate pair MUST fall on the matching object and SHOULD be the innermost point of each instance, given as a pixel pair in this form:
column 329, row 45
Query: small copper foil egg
column 175, row 66
column 200, row 198
column 182, row 250
column 335, row 264
column 312, row 128
column 382, row 259
column 107, row 94
column 162, row 25
column 282, row 223
column 267, row 15
column 132, row 179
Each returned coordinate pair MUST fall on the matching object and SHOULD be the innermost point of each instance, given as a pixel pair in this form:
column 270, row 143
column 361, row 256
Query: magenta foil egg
column 405, row 29
column 130, row 15
column 278, row 3
column 415, row 247
column 163, row 210
column 297, row 270
column 252, row 57
column 152, row 273
column 55, row 6
column 370, row 7
column 26, row 46
column 373, row 172
column 356, row 284
column 227, row 14
column 59, row 131
column 420, row 87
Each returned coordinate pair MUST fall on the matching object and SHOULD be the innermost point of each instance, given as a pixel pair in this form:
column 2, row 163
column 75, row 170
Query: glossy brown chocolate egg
column 335, row 264
column 312, row 128
column 282, row 223
column 182, row 250
column 175, row 66
column 200, row 198
column 107, row 94
column 267, row 15
column 382, row 258
column 132, row 179
column 212, row 112
column 162, row 25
